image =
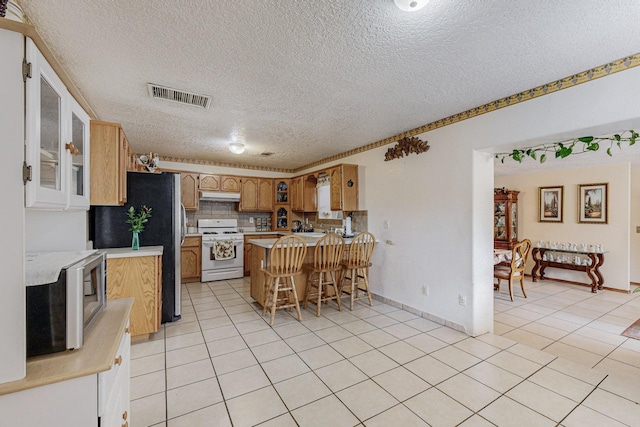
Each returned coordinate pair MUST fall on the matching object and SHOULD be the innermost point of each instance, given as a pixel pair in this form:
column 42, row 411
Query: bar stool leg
column 307, row 289
column 295, row 298
column 335, row 289
column 274, row 301
column 267, row 294
column 354, row 286
column 319, row 299
column 365, row 273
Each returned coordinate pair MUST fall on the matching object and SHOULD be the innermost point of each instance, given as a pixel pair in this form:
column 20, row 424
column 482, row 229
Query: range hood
column 219, row 197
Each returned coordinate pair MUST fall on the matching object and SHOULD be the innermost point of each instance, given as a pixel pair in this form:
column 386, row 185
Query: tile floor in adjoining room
column 555, row 359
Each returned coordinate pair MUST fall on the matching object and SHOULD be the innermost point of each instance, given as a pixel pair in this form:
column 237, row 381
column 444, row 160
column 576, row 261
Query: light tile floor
column 555, row 359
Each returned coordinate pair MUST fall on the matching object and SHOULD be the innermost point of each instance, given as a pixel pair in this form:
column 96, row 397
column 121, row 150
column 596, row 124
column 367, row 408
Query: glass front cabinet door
column 57, row 140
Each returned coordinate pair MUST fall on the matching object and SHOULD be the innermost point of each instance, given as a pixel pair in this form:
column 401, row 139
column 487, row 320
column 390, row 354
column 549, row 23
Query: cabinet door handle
column 127, row 330
column 118, row 360
column 72, row 148
column 124, row 415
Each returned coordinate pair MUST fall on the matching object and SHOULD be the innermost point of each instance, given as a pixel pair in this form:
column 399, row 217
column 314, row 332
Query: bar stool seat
column 356, row 267
column 285, row 261
column 327, row 258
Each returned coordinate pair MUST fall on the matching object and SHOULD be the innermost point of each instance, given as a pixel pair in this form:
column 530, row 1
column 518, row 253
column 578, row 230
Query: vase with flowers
column 137, row 220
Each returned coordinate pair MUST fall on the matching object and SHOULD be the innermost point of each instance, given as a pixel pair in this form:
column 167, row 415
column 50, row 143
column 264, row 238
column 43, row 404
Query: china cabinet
column 505, row 218
column 57, row 140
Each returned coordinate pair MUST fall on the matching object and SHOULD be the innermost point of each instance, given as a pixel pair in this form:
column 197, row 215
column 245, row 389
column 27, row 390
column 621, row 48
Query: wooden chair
column 327, row 259
column 285, row 261
column 515, row 269
column 356, row 267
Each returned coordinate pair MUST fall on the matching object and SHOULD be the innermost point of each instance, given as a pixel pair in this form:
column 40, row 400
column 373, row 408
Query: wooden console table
column 592, row 270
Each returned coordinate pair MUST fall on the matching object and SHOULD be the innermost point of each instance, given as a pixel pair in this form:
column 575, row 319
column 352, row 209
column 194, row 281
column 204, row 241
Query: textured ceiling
column 310, row 79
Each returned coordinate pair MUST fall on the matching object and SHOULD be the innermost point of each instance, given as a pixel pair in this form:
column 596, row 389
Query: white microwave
column 60, row 312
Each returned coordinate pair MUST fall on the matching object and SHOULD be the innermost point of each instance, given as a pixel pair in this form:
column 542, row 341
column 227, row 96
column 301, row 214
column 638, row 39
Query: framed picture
column 551, row 203
column 593, row 203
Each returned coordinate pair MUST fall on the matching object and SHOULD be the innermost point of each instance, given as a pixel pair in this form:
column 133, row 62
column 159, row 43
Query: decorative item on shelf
column 150, row 162
column 406, row 146
column 3, row 8
column 137, row 221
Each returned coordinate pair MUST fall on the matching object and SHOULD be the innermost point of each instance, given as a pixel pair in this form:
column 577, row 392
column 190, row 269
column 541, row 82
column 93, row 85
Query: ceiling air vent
column 266, row 154
column 180, row 96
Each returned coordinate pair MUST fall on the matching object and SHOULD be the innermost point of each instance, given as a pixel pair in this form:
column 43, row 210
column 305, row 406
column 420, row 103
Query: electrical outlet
column 462, row 300
column 425, row 291
column 250, row 220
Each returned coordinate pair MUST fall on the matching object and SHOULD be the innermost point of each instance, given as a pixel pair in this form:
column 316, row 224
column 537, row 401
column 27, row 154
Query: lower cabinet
column 139, row 277
column 247, row 248
column 191, row 262
column 52, row 393
column 113, row 388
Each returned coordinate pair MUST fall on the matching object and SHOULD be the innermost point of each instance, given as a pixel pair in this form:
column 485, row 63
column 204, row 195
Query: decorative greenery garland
column 572, row 146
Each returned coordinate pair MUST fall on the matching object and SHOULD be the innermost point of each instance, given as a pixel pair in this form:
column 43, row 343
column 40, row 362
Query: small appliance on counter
column 66, row 292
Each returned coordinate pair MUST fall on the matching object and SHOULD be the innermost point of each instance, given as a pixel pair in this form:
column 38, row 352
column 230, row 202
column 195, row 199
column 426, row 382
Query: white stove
column 222, row 249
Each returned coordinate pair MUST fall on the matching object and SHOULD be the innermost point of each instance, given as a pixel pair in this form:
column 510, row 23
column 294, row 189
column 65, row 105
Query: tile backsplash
column 216, row 210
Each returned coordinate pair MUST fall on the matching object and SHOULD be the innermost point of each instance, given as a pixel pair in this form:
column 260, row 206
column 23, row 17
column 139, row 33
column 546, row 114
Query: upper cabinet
column 304, row 193
column 282, row 207
column 209, row 182
column 256, row 195
column 344, row 187
column 230, row 183
column 227, row 183
column 57, row 140
column 189, row 190
column 110, row 151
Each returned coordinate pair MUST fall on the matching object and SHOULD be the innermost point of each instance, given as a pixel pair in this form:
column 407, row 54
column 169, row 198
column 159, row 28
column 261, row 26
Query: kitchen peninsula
column 260, row 255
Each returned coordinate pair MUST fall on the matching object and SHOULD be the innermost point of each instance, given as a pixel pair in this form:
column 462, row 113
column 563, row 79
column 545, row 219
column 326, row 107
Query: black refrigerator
column 166, row 227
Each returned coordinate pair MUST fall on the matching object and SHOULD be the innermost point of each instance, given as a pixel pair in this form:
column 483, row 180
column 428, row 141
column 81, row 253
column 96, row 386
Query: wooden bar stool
column 327, row 259
column 356, row 267
column 285, row 261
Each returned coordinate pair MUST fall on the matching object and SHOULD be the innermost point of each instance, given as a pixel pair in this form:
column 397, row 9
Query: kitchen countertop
column 193, row 235
column 262, row 233
column 96, row 355
column 311, row 241
column 129, row 253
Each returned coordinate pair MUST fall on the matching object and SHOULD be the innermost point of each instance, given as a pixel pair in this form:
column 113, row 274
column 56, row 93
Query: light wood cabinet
column 109, row 160
column 139, row 277
column 304, row 193
column 209, row 182
column 256, row 195
column 230, row 183
column 189, row 190
column 505, row 218
column 282, row 207
column 226, row 183
column 248, row 246
column 191, row 263
column 344, row 187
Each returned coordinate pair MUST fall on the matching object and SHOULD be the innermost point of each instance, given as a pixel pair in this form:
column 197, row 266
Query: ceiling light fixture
column 410, row 5
column 236, row 147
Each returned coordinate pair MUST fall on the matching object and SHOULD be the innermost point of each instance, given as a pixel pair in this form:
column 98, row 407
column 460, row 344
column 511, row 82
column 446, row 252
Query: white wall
column 614, row 236
column 634, row 237
column 55, row 230
column 439, row 203
column 12, row 299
